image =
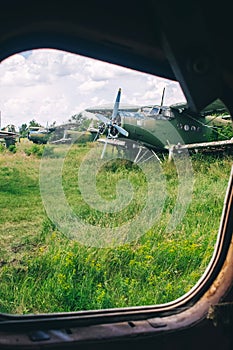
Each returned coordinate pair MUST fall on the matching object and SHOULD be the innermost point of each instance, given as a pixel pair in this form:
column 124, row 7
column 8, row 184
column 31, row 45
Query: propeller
column 113, row 128
column 111, row 124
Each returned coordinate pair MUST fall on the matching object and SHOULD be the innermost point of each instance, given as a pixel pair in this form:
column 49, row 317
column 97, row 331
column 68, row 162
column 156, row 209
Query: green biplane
column 166, row 128
column 61, row 134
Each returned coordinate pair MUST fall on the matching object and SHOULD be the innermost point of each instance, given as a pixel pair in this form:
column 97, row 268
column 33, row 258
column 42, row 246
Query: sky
column 49, row 86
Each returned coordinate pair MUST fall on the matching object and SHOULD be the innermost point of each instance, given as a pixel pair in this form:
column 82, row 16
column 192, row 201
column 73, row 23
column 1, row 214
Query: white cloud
column 51, row 85
column 91, row 86
column 101, row 71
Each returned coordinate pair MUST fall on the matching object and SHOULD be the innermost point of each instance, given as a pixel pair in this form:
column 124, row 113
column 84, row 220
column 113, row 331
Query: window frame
column 217, row 280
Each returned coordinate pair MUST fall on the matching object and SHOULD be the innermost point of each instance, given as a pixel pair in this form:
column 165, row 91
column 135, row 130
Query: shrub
column 12, row 148
column 2, row 148
column 35, row 149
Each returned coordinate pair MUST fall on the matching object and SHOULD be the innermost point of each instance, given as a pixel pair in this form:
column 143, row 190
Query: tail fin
column 116, row 105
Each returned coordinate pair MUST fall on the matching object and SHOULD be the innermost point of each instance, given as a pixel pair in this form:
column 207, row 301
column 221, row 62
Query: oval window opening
column 108, row 199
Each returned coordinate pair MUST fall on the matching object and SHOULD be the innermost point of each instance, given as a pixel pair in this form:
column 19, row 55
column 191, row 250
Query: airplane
column 70, row 136
column 165, row 128
column 8, row 135
column 39, row 134
column 60, row 134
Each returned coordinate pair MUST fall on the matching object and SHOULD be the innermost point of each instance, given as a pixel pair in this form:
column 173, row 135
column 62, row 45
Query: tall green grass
column 41, row 270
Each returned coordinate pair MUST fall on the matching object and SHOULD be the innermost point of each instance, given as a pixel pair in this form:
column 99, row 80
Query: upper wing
column 215, row 107
column 4, row 134
column 180, row 106
column 107, row 109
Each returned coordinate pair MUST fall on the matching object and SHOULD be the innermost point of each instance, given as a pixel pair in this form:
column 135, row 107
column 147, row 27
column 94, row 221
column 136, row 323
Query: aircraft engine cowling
column 113, row 132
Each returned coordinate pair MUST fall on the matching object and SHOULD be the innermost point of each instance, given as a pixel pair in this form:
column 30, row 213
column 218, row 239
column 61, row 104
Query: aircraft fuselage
column 160, row 130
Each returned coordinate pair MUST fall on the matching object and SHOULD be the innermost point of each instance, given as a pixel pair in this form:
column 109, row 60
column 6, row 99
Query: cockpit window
column 155, row 110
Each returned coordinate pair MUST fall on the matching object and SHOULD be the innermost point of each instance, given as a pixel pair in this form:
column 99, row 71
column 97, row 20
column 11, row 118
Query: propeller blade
column 104, row 149
column 96, row 136
column 116, row 105
column 103, row 119
column 121, row 130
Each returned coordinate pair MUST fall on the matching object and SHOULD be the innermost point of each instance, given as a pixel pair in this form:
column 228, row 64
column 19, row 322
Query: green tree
column 33, row 122
column 23, row 130
column 76, row 118
column 82, row 122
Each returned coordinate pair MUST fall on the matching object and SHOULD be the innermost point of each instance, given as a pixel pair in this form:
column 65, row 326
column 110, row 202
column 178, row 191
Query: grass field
column 42, row 270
